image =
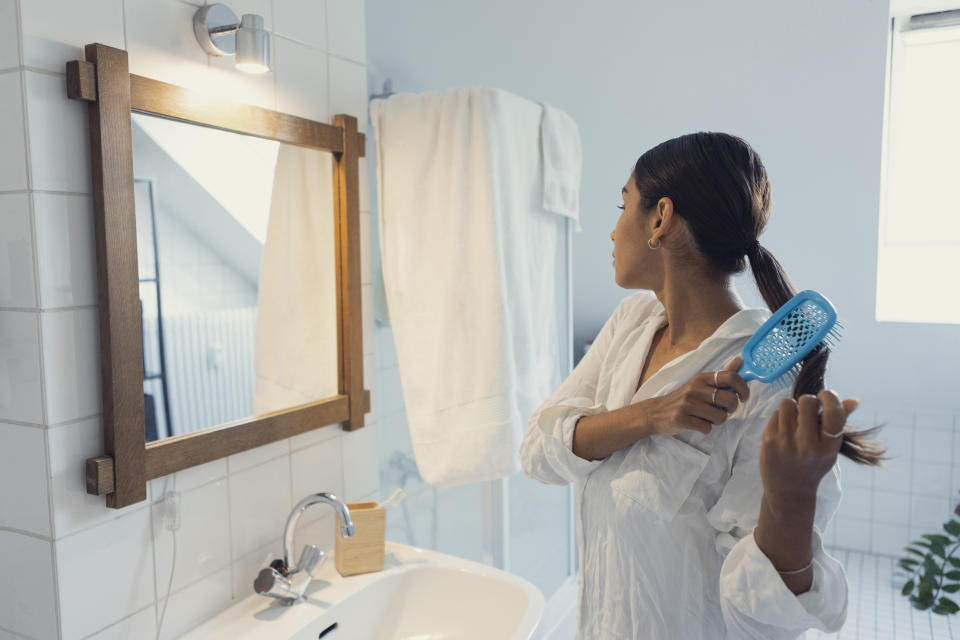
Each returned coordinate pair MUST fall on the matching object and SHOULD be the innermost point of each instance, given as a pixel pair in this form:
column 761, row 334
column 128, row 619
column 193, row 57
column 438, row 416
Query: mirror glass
column 235, row 243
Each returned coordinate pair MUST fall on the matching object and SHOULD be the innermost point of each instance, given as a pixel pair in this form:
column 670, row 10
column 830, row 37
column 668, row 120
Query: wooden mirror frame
column 103, row 80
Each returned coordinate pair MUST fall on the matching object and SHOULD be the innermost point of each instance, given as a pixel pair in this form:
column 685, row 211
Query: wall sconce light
column 220, row 34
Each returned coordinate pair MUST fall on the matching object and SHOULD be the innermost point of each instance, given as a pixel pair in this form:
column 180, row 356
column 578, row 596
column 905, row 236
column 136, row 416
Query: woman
column 701, row 498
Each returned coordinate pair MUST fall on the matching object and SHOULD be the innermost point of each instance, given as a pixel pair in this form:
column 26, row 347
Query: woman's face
column 636, row 266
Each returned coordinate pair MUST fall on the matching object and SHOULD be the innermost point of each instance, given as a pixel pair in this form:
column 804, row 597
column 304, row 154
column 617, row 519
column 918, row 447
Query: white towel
column 296, row 338
column 470, row 266
column 562, row 163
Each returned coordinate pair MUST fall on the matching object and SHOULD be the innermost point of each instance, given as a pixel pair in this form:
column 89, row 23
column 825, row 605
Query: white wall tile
column 247, row 566
column 262, row 8
column 59, row 135
column 346, row 30
column 370, row 378
column 23, row 480
column 27, row 598
column 369, row 326
column 320, row 533
column 48, row 43
column 203, row 540
column 9, row 35
column 929, row 513
column 926, row 419
column 13, row 150
column 254, row 457
column 71, row 363
column 365, row 252
column 161, row 42
column 259, row 505
column 310, row 438
column 932, row 479
column 856, row 503
column 348, row 90
column 386, row 349
column 105, row 574
column 301, row 80
column 890, row 539
column 226, row 82
column 73, row 508
column 20, row 397
column 364, row 170
column 189, row 478
column 361, row 463
column 66, row 250
column 895, row 475
column 891, row 508
column 195, row 604
column 317, row 470
column 933, row 445
column 142, row 624
column 17, row 287
column 855, row 475
column 852, row 533
column 305, row 22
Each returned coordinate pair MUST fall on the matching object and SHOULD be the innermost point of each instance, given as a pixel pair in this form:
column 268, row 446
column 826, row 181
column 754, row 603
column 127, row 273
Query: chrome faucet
column 283, row 580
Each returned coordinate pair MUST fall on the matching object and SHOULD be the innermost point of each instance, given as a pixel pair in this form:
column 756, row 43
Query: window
column 918, row 259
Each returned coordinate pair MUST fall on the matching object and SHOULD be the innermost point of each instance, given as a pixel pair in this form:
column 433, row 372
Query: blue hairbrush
column 774, row 353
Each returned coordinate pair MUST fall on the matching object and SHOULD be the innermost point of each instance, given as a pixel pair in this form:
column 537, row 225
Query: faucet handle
column 310, row 557
column 271, row 582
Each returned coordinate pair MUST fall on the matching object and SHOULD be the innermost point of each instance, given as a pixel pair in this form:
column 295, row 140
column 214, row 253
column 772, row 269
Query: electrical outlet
column 172, row 511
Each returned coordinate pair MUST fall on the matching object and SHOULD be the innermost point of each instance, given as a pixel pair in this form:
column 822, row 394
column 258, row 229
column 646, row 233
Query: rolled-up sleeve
column 547, row 449
column 756, row 603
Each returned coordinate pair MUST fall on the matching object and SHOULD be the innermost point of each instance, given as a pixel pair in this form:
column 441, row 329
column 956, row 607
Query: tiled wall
column 70, row 567
column 884, row 509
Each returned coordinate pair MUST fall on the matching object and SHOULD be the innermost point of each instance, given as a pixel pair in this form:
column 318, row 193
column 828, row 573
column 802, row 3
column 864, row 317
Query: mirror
column 236, row 254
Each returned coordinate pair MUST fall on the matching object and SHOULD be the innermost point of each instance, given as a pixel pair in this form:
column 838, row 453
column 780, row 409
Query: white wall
column 70, row 567
column 802, row 83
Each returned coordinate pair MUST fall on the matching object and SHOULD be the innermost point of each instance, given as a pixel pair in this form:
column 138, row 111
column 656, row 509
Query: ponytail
column 776, row 289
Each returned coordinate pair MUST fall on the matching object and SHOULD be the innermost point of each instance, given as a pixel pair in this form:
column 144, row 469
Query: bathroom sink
column 420, row 595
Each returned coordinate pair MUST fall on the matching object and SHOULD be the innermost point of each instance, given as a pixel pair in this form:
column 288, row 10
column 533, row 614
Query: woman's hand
column 794, row 452
column 692, row 406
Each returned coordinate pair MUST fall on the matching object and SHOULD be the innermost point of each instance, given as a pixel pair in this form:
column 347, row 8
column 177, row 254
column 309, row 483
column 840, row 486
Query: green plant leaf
column 953, row 575
column 916, row 552
column 952, row 527
column 938, row 548
column 949, row 604
column 951, row 588
column 921, row 543
column 908, row 564
column 936, row 537
column 940, row 609
column 954, row 561
column 907, row 588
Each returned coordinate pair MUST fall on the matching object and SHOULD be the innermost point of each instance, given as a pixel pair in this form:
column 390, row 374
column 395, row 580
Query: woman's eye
column 621, row 207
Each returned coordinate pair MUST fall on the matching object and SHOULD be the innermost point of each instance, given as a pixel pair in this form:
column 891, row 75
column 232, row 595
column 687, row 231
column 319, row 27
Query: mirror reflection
column 235, row 243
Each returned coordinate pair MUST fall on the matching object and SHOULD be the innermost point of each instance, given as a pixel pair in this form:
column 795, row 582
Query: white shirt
column 665, row 526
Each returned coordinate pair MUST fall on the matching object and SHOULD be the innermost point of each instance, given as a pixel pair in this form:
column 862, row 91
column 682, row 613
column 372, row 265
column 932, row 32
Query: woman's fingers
column 727, row 400
column 734, row 381
column 808, row 420
column 834, row 415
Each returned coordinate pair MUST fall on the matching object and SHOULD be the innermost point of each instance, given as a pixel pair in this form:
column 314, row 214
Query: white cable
column 172, row 499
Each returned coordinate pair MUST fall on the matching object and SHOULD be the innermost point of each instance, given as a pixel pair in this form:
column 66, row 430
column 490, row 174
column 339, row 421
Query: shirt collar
column 742, row 324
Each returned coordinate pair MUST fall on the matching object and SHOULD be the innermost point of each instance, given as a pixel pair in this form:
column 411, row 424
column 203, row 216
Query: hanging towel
column 562, row 159
column 472, row 269
column 295, row 357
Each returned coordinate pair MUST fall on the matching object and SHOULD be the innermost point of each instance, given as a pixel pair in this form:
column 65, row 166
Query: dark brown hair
column 720, row 188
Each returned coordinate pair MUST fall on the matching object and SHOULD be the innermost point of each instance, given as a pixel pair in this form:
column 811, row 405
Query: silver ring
column 833, row 435
column 715, row 396
column 716, row 383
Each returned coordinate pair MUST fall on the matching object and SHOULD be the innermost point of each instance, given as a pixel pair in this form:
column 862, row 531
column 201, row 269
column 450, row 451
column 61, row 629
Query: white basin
column 420, row 595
